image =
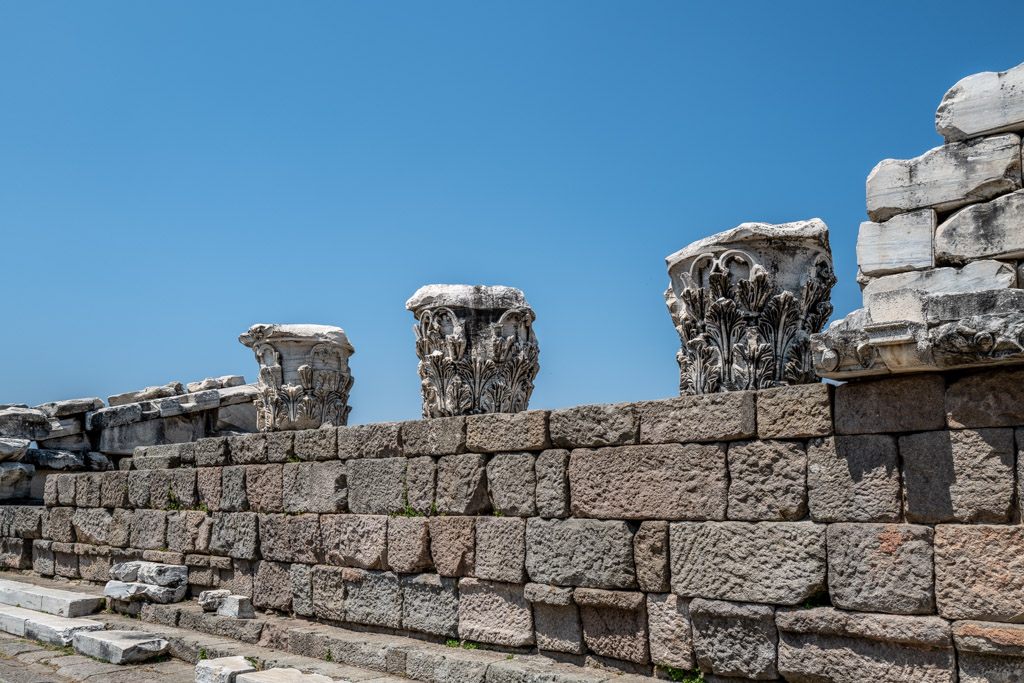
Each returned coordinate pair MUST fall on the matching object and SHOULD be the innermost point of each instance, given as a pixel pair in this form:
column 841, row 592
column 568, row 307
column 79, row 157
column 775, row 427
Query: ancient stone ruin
column 761, row 526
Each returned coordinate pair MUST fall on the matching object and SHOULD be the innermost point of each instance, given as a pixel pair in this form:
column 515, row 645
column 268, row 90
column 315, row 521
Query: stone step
column 46, row 628
column 119, row 647
column 50, row 600
column 281, row 676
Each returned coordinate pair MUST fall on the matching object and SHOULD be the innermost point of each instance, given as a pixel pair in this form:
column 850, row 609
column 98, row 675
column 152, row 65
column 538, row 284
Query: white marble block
column 982, row 104
column 902, row 243
column 974, row 277
column 991, row 230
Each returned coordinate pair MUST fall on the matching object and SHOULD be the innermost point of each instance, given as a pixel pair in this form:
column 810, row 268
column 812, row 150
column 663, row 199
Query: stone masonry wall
column 870, row 531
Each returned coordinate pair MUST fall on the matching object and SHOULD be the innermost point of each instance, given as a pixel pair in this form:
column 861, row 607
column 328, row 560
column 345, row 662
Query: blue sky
column 172, row 172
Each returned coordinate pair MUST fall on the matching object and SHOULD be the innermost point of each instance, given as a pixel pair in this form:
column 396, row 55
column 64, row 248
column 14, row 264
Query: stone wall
column 870, row 531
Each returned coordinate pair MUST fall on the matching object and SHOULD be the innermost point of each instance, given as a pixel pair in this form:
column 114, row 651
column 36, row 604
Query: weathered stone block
column 614, row 623
column 300, row 578
column 977, row 570
column 114, row 489
column 120, row 528
column 316, row 444
column 305, row 540
column 66, row 489
column 315, row 486
column 275, row 539
column 183, row 487
column 963, row 475
column 377, row 440
column 897, row 404
column 492, row 612
column 355, row 540
column 579, row 552
column 988, row 652
column 87, row 490
column 272, row 587
column 232, row 493
column 438, row 436
column 853, row 478
column 235, row 534
column 211, row 452
column 247, row 449
column 773, row 562
column 373, row 598
column 902, row 243
column 453, row 545
column 767, row 480
column 160, row 489
column 408, row 546
column 430, row 604
column 649, row 482
column 376, row 486
column 734, row 639
column 881, row 568
column 92, row 525
column 263, row 488
column 552, row 490
column 650, row 555
column 149, row 530
column 188, row 531
column 208, row 487
column 708, row 417
column 994, row 398
column 61, row 525
column 328, row 592
column 65, row 560
column 556, row 618
column 500, row 549
column 494, row 432
column 15, row 553
column 794, row 412
column 593, row 426
column 42, row 558
column 512, row 484
column 461, row 484
column 983, row 231
column 420, row 483
column 668, row 620
column 982, row 104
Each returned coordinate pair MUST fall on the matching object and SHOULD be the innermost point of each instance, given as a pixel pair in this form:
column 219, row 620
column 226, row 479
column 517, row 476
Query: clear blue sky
column 172, row 172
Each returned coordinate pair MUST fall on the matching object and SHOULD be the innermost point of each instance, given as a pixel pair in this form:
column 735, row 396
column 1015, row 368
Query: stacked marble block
column 684, row 532
column 940, row 261
column 134, row 582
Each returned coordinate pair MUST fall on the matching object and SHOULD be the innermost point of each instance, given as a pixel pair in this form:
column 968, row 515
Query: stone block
column 708, row 417
column 15, row 553
column 355, row 540
column 92, row 525
column 902, row 243
column 114, row 489
column 211, row 452
column 149, row 530
column 734, row 640
column 235, row 535
column 373, row 598
column 328, row 592
column 430, row 604
column 42, row 558
column 500, row 549
column 119, row 647
column 794, row 412
column 275, row 539
column 408, row 545
column 975, row 276
column 263, row 488
column 247, row 449
column 121, row 523
column 236, row 607
column 66, row 489
column 183, row 487
column 552, row 491
column 977, row 570
column 989, row 652
column 461, row 484
column 188, row 531
column 982, row 104
column 773, row 562
column 594, row 426
column 280, row 446
column 614, row 624
column 87, row 490
column 222, row 669
column 579, row 552
column 438, row 436
column 65, row 560
column 650, row 555
column 208, row 487
column 159, row 489
column 300, row 579
column 827, row 644
column 512, row 484
column 668, row 622
column 945, row 178
column 376, row 440
column 854, row 478
column 994, row 398
column 897, row 404
column 881, row 568
column 496, row 432
column 50, row 496
column 232, row 492
column 315, row 486
column 492, row 612
column 305, row 540
column 671, row 481
column 376, row 486
column 317, row 444
column 767, row 480
column 272, row 587
column 61, row 525
column 453, row 545
column 962, row 475
column 983, row 231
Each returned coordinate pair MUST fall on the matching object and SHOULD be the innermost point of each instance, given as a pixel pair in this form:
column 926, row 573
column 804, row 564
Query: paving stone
column 497, row 432
column 709, row 417
column 672, row 481
column 593, row 426
column 208, row 487
column 733, row 639
column 993, row 398
column 232, row 494
column 500, row 549
column 650, row 555
column 377, row 440
column 430, row 604
column 408, row 545
column 961, row 475
column 579, row 552
column 188, row 531
column 552, row 490
column 315, row 487
column 376, row 486
column 272, row 587
column 767, row 480
column 248, row 449
column 373, row 598
column 119, row 647
column 794, row 412
column 492, row 612
column 512, row 484
column 420, row 483
column 235, row 534
column 461, row 484
column 316, row 444
column 854, row 478
column 897, row 404
column 328, row 592
column 355, row 540
column 438, row 436
column 453, row 545
column 976, row 572
column 614, row 624
column 773, row 562
column 668, row 621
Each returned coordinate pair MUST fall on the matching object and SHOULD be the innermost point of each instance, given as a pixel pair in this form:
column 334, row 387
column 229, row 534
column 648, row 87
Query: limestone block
column 123, row 439
column 847, row 647
column 211, row 452
column 492, row 612
column 668, row 620
column 579, row 552
column 994, row 398
column 461, row 484
column 272, row 587
column 300, row 578
column 974, row 277
column 430, row 604
column 376, row 440
column 512, row 483
column 315, row 486
column 21, row 422
column 495, row 432
column 593, row 426
column 977, row 570
column 767, row 480
column 902, row 243
column 552, row 490
column 232, row 493
column 853, row 478
column 988, row 652
column 408, row 547
column 355, row 540
column 453, row 545
column 708, row 417
column 222, row 669
column 672, row 481
column 316, row 444
column 774, row 562
column 263, row 488
column 500, row 549
column 960, row 475
column 896, row 404
column 734, row 639
column 137, row 591
column 281, row 675
column 149, row 530
column 373, row 598
column 794, row 412
column 234, row 534
column 328, row 592
column 983, row 231
column 114, row 489
column 420, row 483
column 305, row 540
column 614, row 623
column 209, row 486
column 650, row 555
column 147, row 394
column 982, row 104
column 236, row 607
column 881, row 568
column 945, row 178
column 438, row 436
column 92, row 525
column 188, row 531
column 376, row 486
column 72, row 406
column 119, row 647
column 45, row 458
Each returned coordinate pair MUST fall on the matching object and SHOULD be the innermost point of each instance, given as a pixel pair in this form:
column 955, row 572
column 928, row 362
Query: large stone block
column 896, row 404
column 234, row 534
column 551, row 469
column 975, row 276
column 328, row 587
column 461, row 484
column 854, row 478
column 963, row 475
column 211, row 452
column 263, row 487
column 305, row 540
column 355, row 540
column 902, row 243
column 977, row 572
column 614, row 623
column 593, row 426
column 988, row 652
column 668, row 621
column 733, row 639
column 275, row 539
column 556, row 618
column 61, row 525
column 501, row 549
column 376, row 486
column 373, row 598
column 188, row 531
column 315, row 486
column 208, row 487
column 491, row 612
column 316, row 444
column 430, row 604
column 650, row 555
column 983, row 231
column 723, row 416
column 232, row 492
column 87, row 489
column 994, row 398
column 376, row 440
column 92, row 525
column 579, row 552
column 453, row 545
column 982, row 104
column 420, row 484
column 280, row 446
column 114, row 489
column 494, row 432
column 512, row 484
column 794, row 412
column 438, row 436
column 825, row 644
column 767, row 480
column 773, row 562
column 881, row 568
column 149, row 530
column 272, row 587
column 672, row 481
column 408, row 546
column 300, row 576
